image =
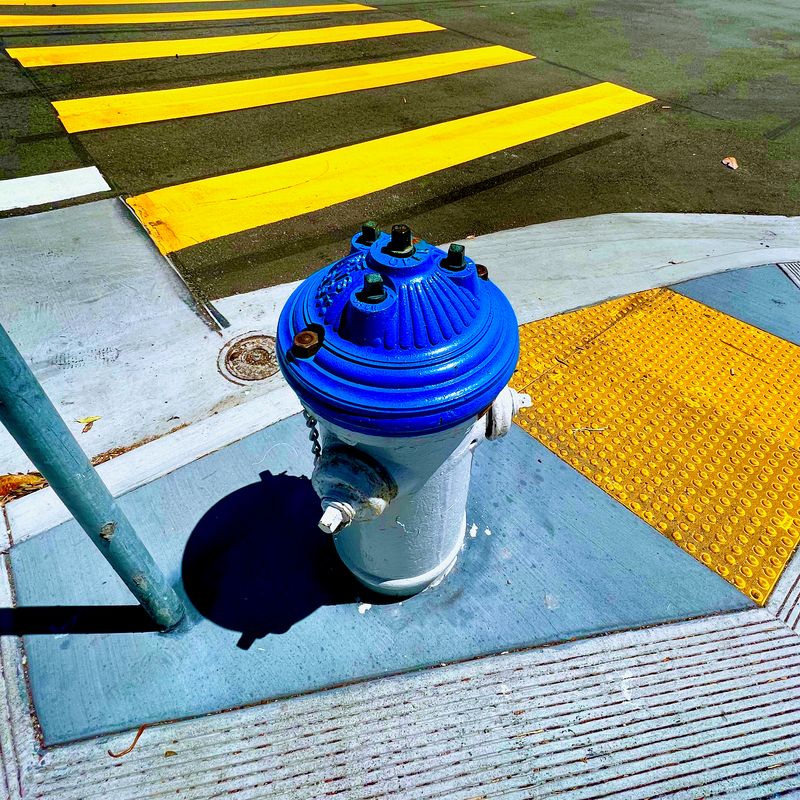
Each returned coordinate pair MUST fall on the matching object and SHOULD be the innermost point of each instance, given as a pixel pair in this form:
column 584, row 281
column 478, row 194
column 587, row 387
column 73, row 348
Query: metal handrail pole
column 39, row 430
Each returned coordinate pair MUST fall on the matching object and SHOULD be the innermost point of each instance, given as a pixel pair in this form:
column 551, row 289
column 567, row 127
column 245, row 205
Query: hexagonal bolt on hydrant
column 400, row 354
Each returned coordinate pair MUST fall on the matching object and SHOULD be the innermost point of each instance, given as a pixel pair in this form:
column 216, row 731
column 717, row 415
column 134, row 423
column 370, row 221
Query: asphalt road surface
column 432, row 113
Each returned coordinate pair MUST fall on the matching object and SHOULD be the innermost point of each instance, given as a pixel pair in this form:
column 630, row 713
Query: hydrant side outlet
column 411, row 346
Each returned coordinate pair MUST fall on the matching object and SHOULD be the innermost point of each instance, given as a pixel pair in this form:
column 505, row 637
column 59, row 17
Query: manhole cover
column 249, row 358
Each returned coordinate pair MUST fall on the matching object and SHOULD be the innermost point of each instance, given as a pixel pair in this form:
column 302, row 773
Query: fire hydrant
column 400, row 354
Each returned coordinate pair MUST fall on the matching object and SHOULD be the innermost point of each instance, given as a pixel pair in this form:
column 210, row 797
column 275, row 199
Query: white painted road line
column 36, row 190
column 792, row 271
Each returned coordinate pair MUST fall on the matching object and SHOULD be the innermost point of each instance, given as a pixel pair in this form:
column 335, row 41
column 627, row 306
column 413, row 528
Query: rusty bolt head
column 306, row 343
column 483, row 272
column 107, row 531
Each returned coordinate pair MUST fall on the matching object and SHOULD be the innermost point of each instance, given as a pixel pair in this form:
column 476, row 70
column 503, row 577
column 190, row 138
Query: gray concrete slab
column 702, row 708
column 763, row 297
column 550, row 268
column 108, row 327
column 545, row 269
column 699, row 707
column 549, row 557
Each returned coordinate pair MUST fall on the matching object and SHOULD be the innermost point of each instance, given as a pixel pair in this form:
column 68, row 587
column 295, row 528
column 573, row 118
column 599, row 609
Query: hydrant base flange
column 405, row 587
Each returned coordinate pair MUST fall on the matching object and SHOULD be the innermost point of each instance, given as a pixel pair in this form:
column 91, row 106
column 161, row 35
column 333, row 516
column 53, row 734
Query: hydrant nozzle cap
column 373, row 290
column 333, row 520
column 455, row 257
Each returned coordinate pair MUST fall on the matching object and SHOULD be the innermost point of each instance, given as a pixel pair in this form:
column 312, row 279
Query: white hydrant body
column 420, row 533
column 417, row 537
column 393, row 474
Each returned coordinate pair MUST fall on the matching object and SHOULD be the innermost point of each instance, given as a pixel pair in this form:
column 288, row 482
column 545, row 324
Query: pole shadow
column 257, row 563
column 30, row 620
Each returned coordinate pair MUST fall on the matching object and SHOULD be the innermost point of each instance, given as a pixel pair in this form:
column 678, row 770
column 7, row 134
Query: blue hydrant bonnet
column 399, row 338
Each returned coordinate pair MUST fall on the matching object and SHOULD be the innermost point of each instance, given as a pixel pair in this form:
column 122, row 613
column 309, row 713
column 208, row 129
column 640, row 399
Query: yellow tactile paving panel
column 688, row 417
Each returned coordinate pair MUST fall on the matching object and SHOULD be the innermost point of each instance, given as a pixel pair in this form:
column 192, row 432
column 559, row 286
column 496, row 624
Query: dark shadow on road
column 257, row 562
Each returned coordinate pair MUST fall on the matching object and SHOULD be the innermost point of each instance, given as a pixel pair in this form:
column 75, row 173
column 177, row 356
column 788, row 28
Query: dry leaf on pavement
column 19, row 484
column 87, row 423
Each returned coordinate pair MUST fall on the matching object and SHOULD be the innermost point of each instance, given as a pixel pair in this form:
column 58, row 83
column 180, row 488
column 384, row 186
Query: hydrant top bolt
column 369, row 232
column 373, row 290
column 483, row 273
column 401, row 244
column 306, row 343
column 455, row 257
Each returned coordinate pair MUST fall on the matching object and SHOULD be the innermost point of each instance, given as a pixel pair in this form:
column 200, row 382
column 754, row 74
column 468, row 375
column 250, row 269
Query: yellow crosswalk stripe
column 190, row 213
column 103, row 2
column 91, row 113
column 59, row 55
column 58, row 20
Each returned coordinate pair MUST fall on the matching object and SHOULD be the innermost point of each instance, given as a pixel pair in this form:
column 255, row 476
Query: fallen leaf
column 168, row 753
column 730, row 162
column 87, row 423
column 588, row 430
column 133, row 744
column 19, row 484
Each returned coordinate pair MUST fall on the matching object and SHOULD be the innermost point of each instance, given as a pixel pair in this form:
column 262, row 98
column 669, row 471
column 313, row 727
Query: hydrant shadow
column 257, row 563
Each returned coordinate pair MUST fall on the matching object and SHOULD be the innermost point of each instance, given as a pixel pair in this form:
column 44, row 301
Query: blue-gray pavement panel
column 553, row 558
column 763, row 296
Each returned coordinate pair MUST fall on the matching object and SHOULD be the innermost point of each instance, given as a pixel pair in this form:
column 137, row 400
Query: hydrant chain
column 313, row 435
